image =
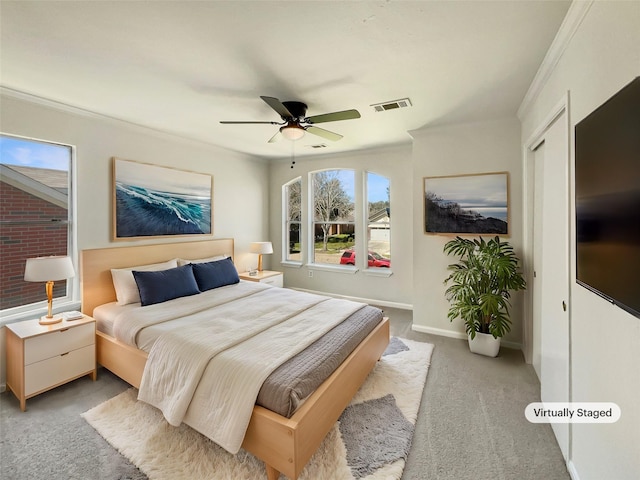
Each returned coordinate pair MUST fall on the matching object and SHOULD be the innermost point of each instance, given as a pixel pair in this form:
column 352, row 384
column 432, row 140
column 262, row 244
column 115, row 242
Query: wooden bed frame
column 284, row 444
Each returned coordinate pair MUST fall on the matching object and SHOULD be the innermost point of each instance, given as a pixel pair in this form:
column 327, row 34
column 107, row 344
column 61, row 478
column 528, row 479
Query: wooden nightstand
column 42, row 357
column 265, row 276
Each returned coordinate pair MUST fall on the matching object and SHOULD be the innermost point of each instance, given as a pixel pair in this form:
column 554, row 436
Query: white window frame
column 361, row 221
column 367, row 270
column 285, row 225
column 312, row 264
column 71, row 301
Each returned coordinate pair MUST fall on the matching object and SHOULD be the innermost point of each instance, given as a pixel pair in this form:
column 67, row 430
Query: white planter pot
column 485, row 344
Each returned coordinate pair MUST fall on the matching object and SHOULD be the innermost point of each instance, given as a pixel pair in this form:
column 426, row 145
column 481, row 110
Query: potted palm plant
column 480, row 286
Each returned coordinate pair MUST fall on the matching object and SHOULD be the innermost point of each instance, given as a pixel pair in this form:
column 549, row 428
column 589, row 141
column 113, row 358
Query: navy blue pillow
column 163, row 285
column 216, row 274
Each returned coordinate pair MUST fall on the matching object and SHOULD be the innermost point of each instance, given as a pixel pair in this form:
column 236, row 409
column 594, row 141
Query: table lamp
column 261, row 248
column 48, row 269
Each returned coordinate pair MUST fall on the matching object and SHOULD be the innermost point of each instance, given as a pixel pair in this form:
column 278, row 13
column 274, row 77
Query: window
column 340, row 213
column 35, row 215
column 378, row 221
column 333, row 224
column 292, row 193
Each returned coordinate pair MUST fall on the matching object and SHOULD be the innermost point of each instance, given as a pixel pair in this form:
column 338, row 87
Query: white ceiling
column 181, row 67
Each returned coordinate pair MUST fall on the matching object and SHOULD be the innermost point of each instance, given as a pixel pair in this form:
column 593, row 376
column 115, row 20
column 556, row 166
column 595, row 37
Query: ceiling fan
column 295, row 123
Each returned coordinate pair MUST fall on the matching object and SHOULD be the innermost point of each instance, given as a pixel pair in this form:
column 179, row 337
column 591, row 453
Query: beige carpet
column 376, row 429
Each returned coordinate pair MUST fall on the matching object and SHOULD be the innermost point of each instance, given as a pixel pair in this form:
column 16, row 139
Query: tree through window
column 293, row 215
column 333, row 214
column 332, row 220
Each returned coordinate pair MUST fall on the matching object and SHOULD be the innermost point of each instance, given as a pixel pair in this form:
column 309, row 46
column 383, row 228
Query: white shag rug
column 140, row 432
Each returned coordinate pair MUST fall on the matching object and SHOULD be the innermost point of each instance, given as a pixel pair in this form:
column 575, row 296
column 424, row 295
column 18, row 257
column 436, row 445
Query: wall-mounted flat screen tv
column 607, row 170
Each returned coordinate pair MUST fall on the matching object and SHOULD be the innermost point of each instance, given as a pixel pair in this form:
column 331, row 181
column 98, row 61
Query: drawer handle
column 62, row 355
column 63, row 330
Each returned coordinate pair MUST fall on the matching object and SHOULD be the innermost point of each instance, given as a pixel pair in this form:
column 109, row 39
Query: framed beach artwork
column 154, row 201
column 467, row 204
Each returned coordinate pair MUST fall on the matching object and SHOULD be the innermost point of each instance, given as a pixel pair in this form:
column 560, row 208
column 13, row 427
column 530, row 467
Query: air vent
column 392, row 105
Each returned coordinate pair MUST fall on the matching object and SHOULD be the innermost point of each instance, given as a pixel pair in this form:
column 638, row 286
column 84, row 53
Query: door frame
column 528, row 154
column 528, row 171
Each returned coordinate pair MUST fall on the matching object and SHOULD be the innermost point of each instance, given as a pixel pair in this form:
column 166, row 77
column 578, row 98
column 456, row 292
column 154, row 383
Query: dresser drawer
column 56, row 343
column 59, row 369
column 276, row 281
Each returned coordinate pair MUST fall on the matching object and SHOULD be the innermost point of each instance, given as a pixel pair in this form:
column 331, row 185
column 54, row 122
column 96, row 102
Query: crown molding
column 575, row 15
column 64, row 107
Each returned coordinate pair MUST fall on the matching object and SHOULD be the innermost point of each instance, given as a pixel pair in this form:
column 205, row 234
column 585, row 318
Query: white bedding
column 208, row 371
column 105, row 315
column 143, row 337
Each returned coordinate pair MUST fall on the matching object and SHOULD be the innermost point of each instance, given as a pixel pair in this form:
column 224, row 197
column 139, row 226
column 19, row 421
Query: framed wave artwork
column 153, row 201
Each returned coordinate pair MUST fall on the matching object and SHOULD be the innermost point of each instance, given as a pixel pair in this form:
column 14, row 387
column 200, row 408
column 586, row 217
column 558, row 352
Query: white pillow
column 183, row 261
column 125, row 284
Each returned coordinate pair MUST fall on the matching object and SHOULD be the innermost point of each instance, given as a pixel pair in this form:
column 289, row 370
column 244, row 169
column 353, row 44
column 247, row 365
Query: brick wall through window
column 31, row 227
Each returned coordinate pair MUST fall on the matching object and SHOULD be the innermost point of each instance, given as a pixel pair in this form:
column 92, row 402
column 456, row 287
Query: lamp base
column 44, row 320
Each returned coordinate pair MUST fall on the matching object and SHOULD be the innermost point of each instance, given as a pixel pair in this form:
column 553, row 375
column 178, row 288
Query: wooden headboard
column 96, row 285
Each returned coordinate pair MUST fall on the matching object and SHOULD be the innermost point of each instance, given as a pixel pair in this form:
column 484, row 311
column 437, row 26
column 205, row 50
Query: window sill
column 378, row 272
column 332, row 268
column 290, row 264
column 20, row 314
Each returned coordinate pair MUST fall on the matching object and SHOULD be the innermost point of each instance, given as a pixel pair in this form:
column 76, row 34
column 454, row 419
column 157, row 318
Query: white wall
column 419, row 266
column 240, row 182
column 393, row 163
column 602, row 57
column 491, row 146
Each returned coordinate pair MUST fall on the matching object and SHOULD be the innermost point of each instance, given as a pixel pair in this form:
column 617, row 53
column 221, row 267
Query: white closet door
column 551, row 284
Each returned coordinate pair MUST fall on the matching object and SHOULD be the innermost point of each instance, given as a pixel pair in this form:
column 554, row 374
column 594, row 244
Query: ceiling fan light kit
column 293, row 117
column 292, row 132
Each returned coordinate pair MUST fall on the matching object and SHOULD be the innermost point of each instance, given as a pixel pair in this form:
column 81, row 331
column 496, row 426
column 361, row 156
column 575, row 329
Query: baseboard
column 573, row 473
column 438, row 331
column 512, row 345
column 370, row 301
column 3, row 387
column 406, row 306
column 459, row 335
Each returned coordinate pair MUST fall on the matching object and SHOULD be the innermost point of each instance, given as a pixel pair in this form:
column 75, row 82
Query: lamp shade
column 45, row 269
column 292, row 132
column 261, row 247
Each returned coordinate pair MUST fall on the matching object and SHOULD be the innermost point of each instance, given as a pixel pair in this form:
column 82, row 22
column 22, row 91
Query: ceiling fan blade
column 333, row 117
column 321, row 132
column 230, row 122
column 277, row 106
column 275, row 138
